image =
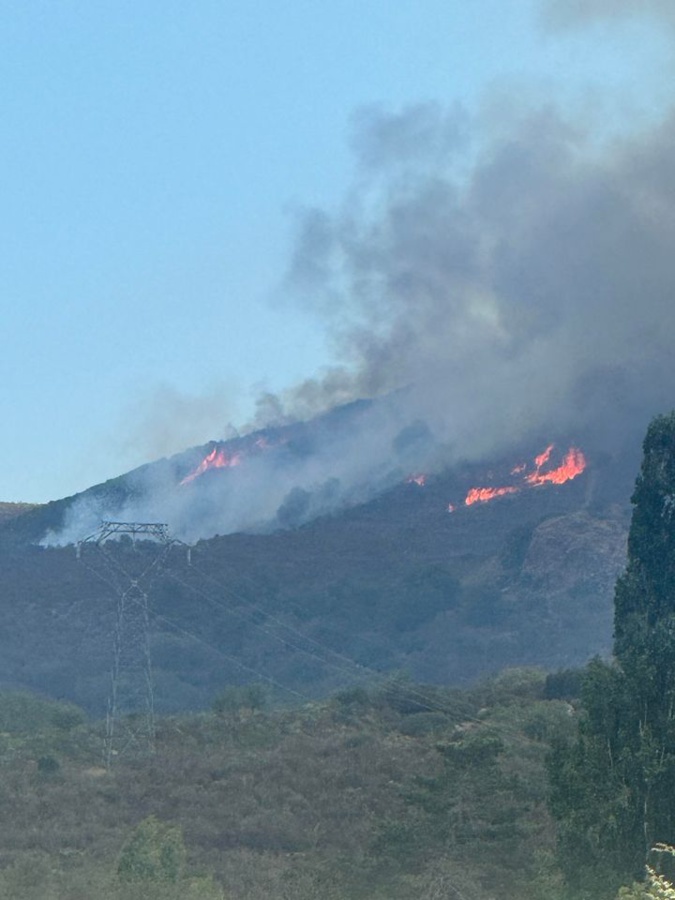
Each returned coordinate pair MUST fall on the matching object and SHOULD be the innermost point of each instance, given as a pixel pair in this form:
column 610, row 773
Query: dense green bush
column 24, row 713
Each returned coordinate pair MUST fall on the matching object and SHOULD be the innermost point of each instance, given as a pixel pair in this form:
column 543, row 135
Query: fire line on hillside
column 572, row 465
column 220, row 458
column 540, row 472
column 216, row 459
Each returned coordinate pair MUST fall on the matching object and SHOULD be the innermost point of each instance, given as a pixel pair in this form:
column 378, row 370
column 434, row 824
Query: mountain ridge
column 411, row 577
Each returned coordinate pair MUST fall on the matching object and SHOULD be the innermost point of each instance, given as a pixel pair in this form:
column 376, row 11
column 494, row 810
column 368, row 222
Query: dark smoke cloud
column 514, row 298
column 491, row 283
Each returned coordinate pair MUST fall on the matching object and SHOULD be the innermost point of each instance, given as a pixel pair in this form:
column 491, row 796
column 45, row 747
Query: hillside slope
column 384, row 793
column 395, row 583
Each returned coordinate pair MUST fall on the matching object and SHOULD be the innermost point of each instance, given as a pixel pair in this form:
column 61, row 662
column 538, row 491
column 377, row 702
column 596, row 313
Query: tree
column 154, row 852
column 613, row 791
column 235, row 700
column 657, row 885
column 152, row 867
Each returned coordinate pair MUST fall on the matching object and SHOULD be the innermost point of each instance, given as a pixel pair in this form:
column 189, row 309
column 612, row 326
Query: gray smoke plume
column 534, row 292
column 487, row 286
column 281, row 477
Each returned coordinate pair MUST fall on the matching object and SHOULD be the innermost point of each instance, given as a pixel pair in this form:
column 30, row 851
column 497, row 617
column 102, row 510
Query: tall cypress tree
column 613, row 792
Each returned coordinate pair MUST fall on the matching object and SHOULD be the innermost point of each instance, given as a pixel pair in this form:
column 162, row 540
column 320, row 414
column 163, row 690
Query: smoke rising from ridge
column 281, row 477
column 526, row 295
column 489, row 282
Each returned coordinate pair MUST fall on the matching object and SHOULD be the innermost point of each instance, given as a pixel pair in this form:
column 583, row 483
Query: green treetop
column 613, row 792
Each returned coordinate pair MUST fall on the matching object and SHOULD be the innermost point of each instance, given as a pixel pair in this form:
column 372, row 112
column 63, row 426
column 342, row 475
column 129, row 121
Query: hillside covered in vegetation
column 524, row 785
column 396, row 791
column 396, row 583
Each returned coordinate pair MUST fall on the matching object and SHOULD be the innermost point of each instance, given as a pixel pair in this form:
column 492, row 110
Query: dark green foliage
column 599, row 841
column 551, row 722
column 154, row 852
column 613, row 791
column 24, row 713
column 485, row 609
column 423, row 723
column 234, row 700
column 400, row 694
column 565, row 684
column 356, row 698
column 483, row 791
column 362, row 797
column 511, row 686
column 48, row 765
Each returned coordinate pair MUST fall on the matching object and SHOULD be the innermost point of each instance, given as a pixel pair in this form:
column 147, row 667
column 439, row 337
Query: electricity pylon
column 130, row 719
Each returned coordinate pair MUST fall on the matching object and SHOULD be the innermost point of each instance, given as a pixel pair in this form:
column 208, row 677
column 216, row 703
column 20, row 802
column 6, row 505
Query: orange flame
column 544, row 457
column 484, row 495
column 216, row 459
column 573, row 464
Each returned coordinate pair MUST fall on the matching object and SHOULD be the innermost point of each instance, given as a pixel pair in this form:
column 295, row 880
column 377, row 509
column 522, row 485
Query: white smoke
column 282, row 479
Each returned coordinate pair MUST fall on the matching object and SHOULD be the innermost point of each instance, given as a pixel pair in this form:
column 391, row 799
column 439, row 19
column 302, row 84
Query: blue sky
column 154, row 157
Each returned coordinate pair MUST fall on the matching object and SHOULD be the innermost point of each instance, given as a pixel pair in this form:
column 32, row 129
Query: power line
column 130, row 718
column 161, row 618
column 346, row 666
column 132, row 637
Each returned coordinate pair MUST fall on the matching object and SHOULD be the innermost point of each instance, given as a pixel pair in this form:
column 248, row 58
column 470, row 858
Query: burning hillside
column 228, row 455
column 546, row 468
column 216, row 459
column 290, row 475
column 571, row 466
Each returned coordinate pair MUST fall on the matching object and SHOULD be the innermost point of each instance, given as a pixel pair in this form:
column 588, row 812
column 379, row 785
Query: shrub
column 154, row 852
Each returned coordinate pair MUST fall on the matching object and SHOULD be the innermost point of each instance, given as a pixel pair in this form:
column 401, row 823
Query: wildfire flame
column 216, row 459
column 544, row 457
column 573, row 464
column 484, row 495
column 220, row 458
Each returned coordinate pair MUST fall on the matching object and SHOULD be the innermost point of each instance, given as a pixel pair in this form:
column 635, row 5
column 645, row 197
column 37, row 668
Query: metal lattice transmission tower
column 113, row 554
